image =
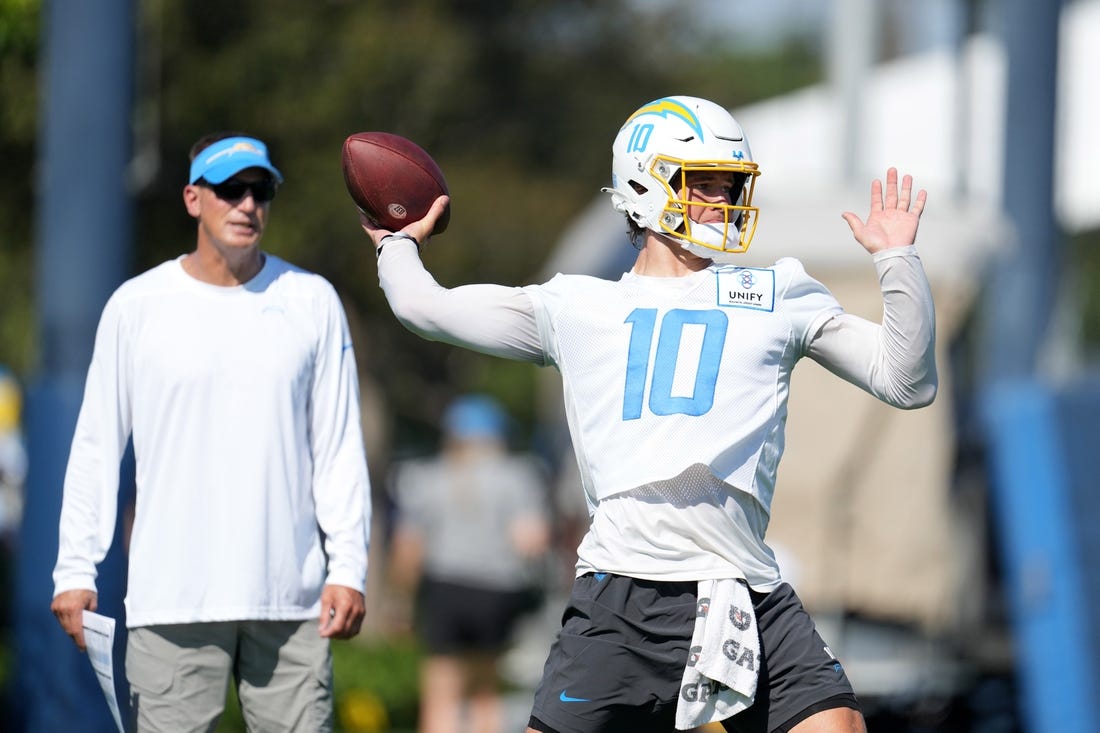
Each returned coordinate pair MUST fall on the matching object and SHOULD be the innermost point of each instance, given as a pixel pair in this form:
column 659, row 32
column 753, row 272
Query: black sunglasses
column 234, row 189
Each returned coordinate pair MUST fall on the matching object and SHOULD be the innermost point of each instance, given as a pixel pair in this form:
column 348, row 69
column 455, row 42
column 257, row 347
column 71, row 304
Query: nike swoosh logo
column 565, row 698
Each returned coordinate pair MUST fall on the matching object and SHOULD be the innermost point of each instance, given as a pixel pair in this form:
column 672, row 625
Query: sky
column 919, row 26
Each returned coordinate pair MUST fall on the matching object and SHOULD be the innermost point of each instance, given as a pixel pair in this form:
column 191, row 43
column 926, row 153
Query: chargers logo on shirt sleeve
column 746, row 287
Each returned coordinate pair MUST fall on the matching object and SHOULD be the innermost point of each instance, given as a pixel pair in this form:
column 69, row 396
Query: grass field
column 376, row 686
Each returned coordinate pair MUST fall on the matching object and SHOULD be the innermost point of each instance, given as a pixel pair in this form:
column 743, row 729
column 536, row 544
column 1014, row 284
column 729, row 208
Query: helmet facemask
column 714, row 240
column 660, row 144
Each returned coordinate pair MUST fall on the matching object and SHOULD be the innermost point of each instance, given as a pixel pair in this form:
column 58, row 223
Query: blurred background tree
column 517, row 101
column 19, row 42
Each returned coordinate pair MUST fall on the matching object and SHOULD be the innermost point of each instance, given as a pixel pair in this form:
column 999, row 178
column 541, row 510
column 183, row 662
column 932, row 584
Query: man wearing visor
column 233, row 373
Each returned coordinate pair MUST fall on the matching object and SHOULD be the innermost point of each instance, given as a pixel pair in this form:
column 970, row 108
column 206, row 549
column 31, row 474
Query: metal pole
column 854, row 25
column 83, row 220
column 1023, row 286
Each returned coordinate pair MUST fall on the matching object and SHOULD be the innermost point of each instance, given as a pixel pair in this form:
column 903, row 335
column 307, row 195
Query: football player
column 676, row 378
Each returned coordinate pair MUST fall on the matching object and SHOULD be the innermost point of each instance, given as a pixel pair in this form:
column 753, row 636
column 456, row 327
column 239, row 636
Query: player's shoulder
column 563, row 282
column 781, row 265
column 569, row 291
column 783, row 286
column 789, row 264
column 784, row 271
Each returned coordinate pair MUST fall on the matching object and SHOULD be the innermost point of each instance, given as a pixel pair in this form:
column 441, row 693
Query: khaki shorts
column 179, row 675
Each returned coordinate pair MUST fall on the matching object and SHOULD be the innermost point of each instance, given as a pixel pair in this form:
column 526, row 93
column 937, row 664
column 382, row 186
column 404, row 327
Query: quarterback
column 676, row 379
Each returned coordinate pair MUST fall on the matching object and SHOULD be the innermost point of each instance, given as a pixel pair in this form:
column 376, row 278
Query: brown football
column 392, row 179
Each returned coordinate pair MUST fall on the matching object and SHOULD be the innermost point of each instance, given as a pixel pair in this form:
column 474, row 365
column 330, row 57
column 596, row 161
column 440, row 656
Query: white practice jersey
column 676, row 390
column 252, row 485
column 664, row 373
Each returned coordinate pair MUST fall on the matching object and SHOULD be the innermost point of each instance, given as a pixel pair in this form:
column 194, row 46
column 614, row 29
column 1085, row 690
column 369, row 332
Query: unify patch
column 746, row 287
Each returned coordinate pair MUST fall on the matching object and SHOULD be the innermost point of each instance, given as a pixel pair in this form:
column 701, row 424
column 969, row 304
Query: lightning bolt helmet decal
column 670, row 107
column 665, row 144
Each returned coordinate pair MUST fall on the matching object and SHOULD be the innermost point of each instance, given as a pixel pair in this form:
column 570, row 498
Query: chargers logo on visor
column 226, row 157
column 237, row 147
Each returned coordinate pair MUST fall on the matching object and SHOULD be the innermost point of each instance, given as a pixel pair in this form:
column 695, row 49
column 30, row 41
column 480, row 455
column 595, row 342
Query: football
column 392, row 180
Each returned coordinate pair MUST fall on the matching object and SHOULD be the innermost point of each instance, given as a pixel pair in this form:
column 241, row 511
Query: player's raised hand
column 894, row 215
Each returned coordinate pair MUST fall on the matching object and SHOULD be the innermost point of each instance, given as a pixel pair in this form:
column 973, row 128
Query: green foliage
column 383, row 669
column 19, row 27
column 375, row 690
column 19, row 21
column 518, row 102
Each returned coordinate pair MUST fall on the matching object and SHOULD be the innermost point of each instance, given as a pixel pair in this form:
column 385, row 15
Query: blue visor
column 230, row 156
column 475, row 416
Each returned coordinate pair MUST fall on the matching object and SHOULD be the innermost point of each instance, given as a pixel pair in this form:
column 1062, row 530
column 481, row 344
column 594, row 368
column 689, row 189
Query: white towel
column 721, row 672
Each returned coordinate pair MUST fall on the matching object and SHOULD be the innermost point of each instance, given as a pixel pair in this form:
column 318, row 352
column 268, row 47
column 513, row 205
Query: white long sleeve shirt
column 252, row 486
column 676, row 389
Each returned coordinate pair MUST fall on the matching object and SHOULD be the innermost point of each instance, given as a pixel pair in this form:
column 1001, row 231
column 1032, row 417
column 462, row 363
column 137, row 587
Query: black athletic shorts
column 619, row 659
column 452, row 618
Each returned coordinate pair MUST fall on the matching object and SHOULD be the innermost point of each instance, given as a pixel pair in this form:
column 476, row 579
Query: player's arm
column 492, row 319
column 894, row 361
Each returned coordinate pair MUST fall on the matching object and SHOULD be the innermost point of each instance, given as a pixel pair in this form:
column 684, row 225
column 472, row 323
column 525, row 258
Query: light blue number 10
column 661, row 401
column 639, row 138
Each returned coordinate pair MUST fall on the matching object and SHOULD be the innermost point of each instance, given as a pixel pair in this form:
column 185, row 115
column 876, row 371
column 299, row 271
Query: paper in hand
column 99, row 638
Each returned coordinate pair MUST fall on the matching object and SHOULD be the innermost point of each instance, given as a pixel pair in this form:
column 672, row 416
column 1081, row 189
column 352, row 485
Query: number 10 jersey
column 676, row 398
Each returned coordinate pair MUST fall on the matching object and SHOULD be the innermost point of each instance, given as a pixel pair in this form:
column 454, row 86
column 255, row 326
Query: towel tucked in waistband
column 721, row 672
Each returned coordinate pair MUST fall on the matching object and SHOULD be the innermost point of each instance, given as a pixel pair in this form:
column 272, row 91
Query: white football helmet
column 653, row 153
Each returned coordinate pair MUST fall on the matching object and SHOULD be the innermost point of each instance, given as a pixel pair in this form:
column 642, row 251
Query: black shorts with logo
column 619, row 659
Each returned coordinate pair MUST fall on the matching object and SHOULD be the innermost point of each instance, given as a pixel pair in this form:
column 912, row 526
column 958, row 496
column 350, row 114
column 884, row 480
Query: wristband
column 395, row 235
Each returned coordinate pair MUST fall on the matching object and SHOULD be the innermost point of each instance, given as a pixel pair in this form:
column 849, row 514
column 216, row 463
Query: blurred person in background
column 13, row 455
column 232, row 370
column 13, row 474
column 471, row 531
column 676, row 378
